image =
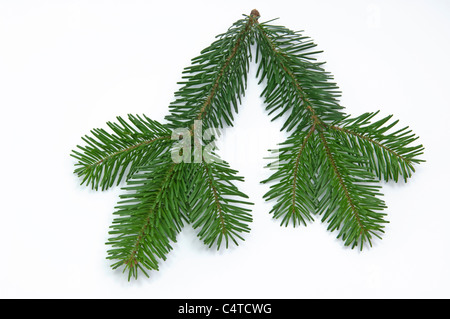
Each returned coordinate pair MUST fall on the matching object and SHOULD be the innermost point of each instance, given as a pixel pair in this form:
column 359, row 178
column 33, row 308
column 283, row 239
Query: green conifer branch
column 293, row 189
column 217, row 75
column 391, row 154
column 297, row 87
column 216, row 80
column 148, row 218
column 328, row 166
column 211, row 91
column 348, row 196
column 109, row 158
column 343, row 161
column 217, row 207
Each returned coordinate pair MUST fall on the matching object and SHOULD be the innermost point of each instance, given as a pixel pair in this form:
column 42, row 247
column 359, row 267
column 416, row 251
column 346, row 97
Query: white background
column 69, row 66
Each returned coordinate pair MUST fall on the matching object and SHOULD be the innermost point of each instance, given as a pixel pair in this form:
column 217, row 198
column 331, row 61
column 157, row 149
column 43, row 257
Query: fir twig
column 110, row 157
column 341, row 157
column 329, row 166
column 148, row 217
column 211, row 92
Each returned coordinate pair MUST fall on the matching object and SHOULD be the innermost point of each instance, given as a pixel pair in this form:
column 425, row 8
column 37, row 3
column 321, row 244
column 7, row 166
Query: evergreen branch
column 215, row 81
column 107, row 156
column 212, row 89
column 348, row 198
column 217, row 207
column 294, row 190
column 148, row 217
column 295, row 83
column 389, row 153
column 334, row 158
column 221, row 73
column 328, row 165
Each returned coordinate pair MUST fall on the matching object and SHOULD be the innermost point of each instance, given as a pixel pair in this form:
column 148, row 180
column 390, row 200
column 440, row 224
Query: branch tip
column 255, row 13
